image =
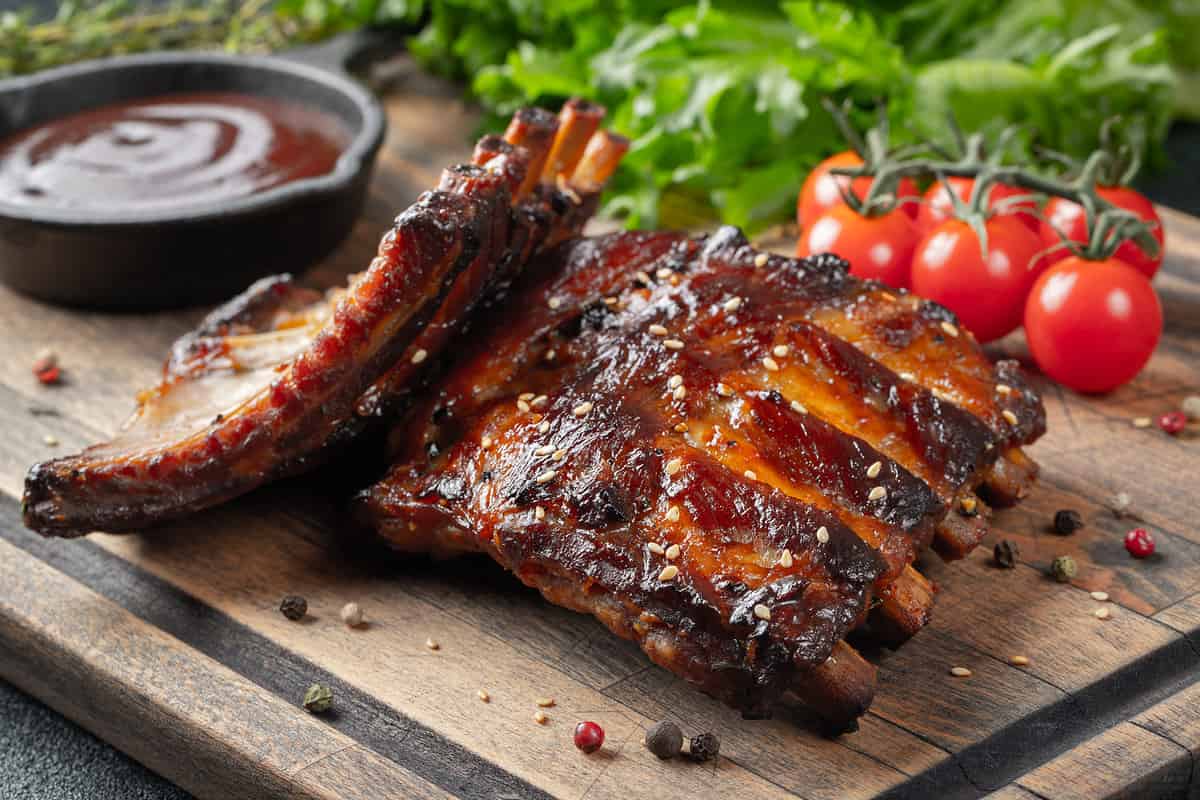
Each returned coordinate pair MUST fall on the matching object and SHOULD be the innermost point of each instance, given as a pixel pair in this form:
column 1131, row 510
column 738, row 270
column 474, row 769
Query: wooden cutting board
column 170, row 645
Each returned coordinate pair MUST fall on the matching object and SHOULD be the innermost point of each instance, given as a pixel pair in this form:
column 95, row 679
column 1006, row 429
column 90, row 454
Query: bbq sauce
column 170, row 151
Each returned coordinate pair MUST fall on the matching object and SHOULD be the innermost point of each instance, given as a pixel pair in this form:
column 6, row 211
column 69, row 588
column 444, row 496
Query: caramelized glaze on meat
column 723, row 455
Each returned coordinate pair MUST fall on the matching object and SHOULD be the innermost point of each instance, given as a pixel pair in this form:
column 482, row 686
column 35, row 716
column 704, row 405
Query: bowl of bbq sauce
column 176, row 179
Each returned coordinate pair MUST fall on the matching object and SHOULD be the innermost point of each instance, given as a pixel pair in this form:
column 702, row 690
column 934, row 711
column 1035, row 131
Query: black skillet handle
column 348, row 52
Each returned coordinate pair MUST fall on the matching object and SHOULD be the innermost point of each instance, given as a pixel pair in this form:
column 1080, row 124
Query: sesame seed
column 823, row 534
column 523, row 405
column 668, row 573
column 681, row 427
column 539, row 513
column 673, row 514
column 656, row 548
column 485, row 442
column 484, row 696
column 539, row 401
column 582, row 409
column 674, row 281
column 554, row 303
column 798, row 407
column 760, row 260
column 751, row 474
column 762, row 612
column 540, row 718
column 544, row 450
column 1101, row 613
column 1100, row 597
column 420, row 356
column 891, row 298
column 551, row 355
column 724, row 390
column 675, row 381
column 1019, row 661
column 781, row 350
column 674, row 465
column 968, row 504
column 733, row 304
column 878, row 493
column 679, row 393
column 547, row 476
column 673, row 344
column 771, row 364
column 432, row 645
column 960, row 672
column 1141, row 422
column 1003, row 388
column 50, row 440
column 672, row 552
column 663, row 273
column 908, row 376
column 527, row 396
column 950, row 328
column 785, row 559
column 1009, row 417
column 545, row 702
column 559, row 454
column 642, row 276
column 543, row 426
column 874, row 469
column 658, row 330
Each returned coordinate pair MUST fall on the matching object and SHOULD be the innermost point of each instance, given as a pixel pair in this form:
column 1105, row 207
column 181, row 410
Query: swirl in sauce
column 168, row 152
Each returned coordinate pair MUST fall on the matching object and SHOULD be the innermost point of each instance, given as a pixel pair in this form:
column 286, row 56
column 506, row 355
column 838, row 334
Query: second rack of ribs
column 725, row 457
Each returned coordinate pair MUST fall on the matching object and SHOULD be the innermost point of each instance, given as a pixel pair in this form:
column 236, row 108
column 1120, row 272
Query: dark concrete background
column 44, row 756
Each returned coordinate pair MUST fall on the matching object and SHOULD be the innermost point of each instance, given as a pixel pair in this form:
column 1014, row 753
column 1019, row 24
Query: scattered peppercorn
column 318, row 699
column 1067, row 521
column 294, row 607
column 45, row 367
column 1191, row 407
column 589, row 736
column 1173, row 422
column 1006, row 554
column 1119, row 503
column 352, row 615
column 1063, row 569
column 705, row 747
column 664, row 739
column 1139, row 543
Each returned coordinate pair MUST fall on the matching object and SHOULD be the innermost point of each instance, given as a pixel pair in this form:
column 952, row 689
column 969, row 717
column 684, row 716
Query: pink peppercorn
column 1139, row 543
column 1173, row 422
column 589, row 737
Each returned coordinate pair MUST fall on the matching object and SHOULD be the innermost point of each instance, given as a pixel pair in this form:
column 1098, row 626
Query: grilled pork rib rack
column 731, row 458
column 728, row 457
column 274, row 380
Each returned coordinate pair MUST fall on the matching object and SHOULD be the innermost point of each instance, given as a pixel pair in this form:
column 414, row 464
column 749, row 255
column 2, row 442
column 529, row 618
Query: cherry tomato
column 937, row 207
column 988, row 295
column 1092, row 325
column 820, row 190
column 1069, row 217
column 877, row 247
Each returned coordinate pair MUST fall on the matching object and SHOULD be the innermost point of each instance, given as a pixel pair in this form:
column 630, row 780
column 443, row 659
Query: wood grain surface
column 170, row 644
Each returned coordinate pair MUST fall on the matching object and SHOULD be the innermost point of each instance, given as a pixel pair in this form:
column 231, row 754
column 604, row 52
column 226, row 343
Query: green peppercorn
column 1063, row 569
column 318, row 699
column 664, row 739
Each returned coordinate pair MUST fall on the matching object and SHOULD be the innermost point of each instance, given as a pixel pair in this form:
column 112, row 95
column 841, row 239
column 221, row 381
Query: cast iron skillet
column 200, row 254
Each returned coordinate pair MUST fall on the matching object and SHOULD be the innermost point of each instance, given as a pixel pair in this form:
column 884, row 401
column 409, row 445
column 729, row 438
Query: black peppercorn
column 705, row 747
column 294, row 607
column 664, row 739
column 1006, row 554
column 1067, row 521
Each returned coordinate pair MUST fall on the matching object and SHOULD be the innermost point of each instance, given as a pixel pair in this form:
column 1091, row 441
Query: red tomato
column 1068, row 217
column 937, row 207
column 877, row 247
column 1092, row 325
column 988, row 295
column 820, row 191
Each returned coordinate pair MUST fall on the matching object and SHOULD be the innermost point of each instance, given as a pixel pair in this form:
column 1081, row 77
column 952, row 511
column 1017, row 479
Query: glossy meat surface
column 273, row 380
column 723, row 455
